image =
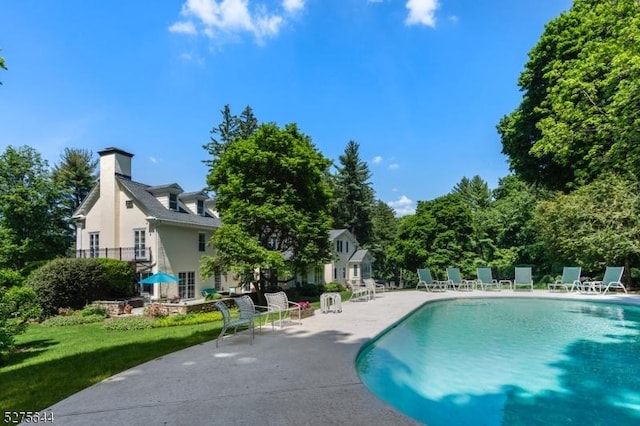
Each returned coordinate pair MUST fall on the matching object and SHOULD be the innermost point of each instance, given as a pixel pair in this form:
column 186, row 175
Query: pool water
column 510, row 362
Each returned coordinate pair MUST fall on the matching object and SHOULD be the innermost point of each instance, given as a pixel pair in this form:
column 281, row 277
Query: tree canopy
column 273, row 196
column 32, row 220
column 580, row 111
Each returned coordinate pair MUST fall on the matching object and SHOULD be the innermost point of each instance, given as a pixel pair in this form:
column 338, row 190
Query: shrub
column 119, row 277
column 334, row 287
column 67, row 283
column 93, row 310
column 214, row 296
column 75, row 319
column 23, row 303
column 9, row 325
column 310, row 290
column 129, row 323
column 10, row 278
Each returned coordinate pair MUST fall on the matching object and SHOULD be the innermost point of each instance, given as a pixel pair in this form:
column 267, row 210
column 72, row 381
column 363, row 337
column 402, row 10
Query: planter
column 304, row 313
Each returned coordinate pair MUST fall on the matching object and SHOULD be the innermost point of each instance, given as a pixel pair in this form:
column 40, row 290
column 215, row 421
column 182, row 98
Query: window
column 139, row 243
column 317, row 275
column 200, row 207
column 218, row 282
column 344, row 272
column 187, row 285
column 128, row 204
column 94, row 244
column 146, row 288
column 173, row 202
column 355, row 270
column 347, row 244
column 335, row 273
column 202, row 241
column 339, row 246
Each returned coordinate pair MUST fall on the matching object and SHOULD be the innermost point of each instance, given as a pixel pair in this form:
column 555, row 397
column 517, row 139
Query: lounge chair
column 425, row 279
column 612, row 279
column 486, row 281
column 523, row 278
column 278, row 303
column 570, row 280
column 455, row 281
column 245, row 319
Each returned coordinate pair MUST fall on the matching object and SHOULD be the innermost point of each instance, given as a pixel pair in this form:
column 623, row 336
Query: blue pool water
column 510, row 362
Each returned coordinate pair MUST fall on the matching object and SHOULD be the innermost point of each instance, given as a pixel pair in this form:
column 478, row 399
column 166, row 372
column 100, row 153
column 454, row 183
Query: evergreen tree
column 354, row 195
column 76, row 173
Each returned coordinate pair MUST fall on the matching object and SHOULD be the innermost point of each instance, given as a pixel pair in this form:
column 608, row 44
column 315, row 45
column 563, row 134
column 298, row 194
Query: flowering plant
column 304, row 305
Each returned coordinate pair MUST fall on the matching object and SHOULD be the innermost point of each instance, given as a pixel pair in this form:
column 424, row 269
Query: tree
column 273, row 197
column 32, row 225
column 76, row 173
column 383, row 232
column 2, row 64
column 580, row 111
column 475, row 192
column 596, row 225
column 229, row 130
column 354, row 195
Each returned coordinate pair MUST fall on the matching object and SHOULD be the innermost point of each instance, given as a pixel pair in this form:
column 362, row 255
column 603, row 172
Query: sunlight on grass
column 52, row 363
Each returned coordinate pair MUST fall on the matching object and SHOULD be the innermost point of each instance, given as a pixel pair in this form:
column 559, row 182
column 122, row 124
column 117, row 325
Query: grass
column 52, row 363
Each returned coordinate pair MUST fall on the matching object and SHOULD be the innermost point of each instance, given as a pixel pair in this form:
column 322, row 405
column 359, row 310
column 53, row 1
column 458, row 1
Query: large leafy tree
column 273, row 196
column 595, row 226
column 476, row 194
column 32, row 225
column 354, row 195
column 580, row 111
column 76, row 173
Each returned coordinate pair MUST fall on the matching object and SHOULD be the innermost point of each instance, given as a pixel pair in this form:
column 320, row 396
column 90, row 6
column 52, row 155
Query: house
column 157, row 228
column 349, row 265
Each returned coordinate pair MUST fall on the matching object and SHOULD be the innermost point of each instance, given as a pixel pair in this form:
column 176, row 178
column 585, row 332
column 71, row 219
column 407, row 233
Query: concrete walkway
column 298, row 375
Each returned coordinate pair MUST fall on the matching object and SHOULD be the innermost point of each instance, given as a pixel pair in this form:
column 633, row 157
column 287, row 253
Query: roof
column 152, row 207
column 359, row 255
column 335, row 233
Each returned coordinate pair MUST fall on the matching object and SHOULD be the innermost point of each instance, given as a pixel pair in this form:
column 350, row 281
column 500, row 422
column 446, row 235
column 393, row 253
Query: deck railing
column 128, row 254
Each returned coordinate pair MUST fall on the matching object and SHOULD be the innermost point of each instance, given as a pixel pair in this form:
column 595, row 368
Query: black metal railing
column 128, row 254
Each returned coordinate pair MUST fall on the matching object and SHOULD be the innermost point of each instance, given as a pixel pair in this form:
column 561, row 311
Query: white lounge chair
column 570, row 280
column 612, row 279
column 523, row 278
column 374, row 287
column 425, row 279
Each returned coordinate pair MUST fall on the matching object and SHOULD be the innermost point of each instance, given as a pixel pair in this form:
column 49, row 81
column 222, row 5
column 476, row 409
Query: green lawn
column 52, row 363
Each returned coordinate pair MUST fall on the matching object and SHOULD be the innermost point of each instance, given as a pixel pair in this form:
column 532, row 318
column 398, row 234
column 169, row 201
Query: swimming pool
column 510, row 362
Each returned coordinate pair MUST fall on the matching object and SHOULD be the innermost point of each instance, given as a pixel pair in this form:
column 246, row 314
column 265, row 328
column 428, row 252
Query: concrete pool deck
column 298, row 375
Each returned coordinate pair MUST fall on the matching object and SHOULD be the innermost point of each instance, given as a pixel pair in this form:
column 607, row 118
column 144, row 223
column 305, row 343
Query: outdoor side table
column 330, row 302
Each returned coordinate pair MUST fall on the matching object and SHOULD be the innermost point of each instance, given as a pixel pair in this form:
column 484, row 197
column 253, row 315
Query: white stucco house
column 350, row 264
column 158, row 228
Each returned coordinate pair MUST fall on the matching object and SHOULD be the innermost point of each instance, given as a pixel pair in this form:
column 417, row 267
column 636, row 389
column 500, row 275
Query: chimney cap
column 114, row 150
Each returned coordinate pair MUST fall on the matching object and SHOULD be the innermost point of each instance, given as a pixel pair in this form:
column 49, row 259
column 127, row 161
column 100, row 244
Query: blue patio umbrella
column 159, row 278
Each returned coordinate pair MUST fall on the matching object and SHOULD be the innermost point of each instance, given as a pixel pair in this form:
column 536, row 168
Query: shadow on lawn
column 38, row 386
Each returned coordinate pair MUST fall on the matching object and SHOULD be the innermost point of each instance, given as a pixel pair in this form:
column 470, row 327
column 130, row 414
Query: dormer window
column 200, row 207
column 339, row 246
column 173, row 202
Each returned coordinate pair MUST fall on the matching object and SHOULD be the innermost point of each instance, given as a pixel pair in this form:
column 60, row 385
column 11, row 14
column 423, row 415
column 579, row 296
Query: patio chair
column 523, row 278
column 570, row 280
column 372, row 285
column 278, row 303
column 248, row 309
column 486, row 281
column 245, row 319
column 455, row 281
column 425, row 279
column 612, row 279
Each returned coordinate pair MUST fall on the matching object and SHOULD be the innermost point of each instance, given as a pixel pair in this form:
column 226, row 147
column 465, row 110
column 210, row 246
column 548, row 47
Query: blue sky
column 419, row 84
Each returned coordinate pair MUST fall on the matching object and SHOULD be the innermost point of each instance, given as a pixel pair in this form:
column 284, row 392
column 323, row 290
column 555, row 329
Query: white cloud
column 218, row 19
column 183, row 27
column 394, row 166
column 154, row 160
column 377, row 159
column 292, row 6
column 403, row 206
column 422, row 12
